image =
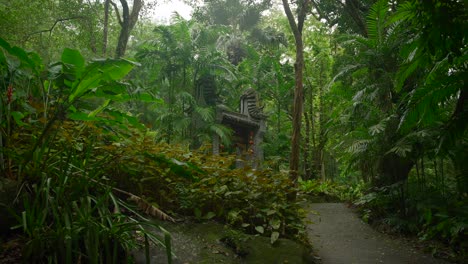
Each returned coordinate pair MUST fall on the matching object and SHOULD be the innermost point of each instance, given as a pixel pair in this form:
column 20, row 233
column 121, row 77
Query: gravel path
column 340, row 237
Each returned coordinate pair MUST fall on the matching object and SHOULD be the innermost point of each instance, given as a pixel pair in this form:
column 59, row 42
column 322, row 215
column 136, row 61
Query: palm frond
column 359, row 146
column 206, row 113
column 180, row 124
column 376, row 21
column 223, row 132
column 405, row 12
column 345, row 70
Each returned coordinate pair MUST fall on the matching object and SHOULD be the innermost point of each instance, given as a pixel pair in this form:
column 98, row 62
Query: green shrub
column 199, row 184
column 70, row 213
column 333, row 189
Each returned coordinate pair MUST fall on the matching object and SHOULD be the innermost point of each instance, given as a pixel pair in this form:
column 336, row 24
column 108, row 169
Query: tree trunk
column 106, row 28
column 123, row 40
column 278, row 116
column 127, row 23
column 307, row 149
column 322, row 137
column 299, row 88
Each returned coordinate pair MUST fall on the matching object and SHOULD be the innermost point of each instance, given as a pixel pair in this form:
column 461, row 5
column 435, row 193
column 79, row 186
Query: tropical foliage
column 365, row 101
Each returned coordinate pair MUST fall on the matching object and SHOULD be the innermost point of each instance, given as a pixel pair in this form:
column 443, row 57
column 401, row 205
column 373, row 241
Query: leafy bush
column 182, row 181
column 254, row 200
column 70, row 213
column 332, row 189
column 199, row 184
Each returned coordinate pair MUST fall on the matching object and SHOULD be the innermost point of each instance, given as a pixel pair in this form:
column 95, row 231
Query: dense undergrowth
column 85, row 171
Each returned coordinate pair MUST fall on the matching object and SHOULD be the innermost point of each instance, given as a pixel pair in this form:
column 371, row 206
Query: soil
column 339, row 236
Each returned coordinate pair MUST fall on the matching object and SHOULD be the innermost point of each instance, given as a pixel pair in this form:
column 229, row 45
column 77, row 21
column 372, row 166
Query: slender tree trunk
column 322, row 139
column 310, row 120
column 92, row 41
column 423, row 172
column 106, row 27
column 442, row 176
column 418, row 175
column 297, row 111
column 278, row 122
column 299, row 87
column 307, row 149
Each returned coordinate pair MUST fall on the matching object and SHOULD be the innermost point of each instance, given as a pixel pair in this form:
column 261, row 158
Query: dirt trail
column 340, row 237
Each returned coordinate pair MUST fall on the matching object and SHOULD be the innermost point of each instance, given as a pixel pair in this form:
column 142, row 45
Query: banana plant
column 72, row 84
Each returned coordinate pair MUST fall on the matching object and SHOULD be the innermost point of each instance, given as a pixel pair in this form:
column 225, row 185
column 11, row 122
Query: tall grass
column 71, row 216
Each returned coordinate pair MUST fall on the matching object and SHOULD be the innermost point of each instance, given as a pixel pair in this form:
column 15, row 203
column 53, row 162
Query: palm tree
column 180, row 62
column 374, row 113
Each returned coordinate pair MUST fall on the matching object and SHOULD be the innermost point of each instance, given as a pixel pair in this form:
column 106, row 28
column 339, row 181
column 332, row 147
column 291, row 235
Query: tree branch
column 53, row 26
column 137, row 5
column 302, row 12
column 125, row 11
column 320, row 13
column 119, row 18
column 291, row 20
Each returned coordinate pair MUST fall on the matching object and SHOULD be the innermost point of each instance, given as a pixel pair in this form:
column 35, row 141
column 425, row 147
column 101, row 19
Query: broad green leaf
column 209, row 215
column 99, row 109
column 274, row 236
column 18, row 116
column 4, row 44
column 275, row 223
column 80, row 116
column 144, row 97
column 29, row 59
column 271, row 212
column 71, row 57
column 23, row 56
column 98, row 73
column 260, row 229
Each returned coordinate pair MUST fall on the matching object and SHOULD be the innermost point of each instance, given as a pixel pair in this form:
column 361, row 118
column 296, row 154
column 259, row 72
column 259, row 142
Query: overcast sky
column 164, row 10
